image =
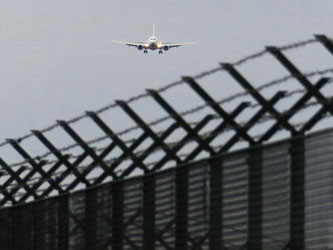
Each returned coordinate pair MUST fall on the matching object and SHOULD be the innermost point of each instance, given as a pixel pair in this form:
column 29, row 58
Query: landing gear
column 145, row 51
column 160, row 52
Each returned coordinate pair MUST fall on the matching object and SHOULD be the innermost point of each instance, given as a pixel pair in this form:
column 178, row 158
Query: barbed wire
column 190, row 111
column 187, row 112
column 184, row 113
column 81, row 168
column 212, row 133
column 36, row 181
column 206, row 135
column 169, row 86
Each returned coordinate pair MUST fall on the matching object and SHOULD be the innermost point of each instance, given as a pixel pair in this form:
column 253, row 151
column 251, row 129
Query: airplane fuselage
column 153, row 43
column 152, row 46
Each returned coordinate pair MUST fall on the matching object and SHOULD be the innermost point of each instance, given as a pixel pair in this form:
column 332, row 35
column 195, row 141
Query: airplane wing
column 176, row 45
column 135, row 44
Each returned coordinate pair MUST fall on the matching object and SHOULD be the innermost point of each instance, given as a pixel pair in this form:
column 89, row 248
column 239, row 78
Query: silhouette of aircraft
column 153, row 44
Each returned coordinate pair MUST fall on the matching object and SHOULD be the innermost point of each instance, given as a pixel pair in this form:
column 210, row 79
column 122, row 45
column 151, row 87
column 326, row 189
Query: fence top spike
column 187, row 79
column 151, row 91
column 61, row 122
column 226, row 65
column 90, row 113
column 320, row 36
column 247, row 104
column 120, row 102
column 272, row 49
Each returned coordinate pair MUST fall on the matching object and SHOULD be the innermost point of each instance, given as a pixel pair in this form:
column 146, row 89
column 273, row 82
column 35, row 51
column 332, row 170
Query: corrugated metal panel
column 319, row 191
column 21, row 226
column 234, row 200
column 4, row 229
column 46, row 225
column 198, row 209
column 103, row 217
column 209, row 202
column 77, row 214
column 276, row 196
column 165, row 207
column 132, row 224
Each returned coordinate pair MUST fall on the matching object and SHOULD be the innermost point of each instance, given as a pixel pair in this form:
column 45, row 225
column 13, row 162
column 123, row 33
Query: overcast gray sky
column 57, row 60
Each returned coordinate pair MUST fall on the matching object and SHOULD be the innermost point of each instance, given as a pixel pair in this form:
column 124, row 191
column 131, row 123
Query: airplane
column 153, row 44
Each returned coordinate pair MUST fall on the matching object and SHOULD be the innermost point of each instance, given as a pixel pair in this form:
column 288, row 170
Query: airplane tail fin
column 153, row 29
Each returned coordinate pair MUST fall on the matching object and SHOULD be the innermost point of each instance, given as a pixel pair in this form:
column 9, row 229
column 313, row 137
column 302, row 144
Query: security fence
column 255, row 117
column 228, row 186
column 277, row 196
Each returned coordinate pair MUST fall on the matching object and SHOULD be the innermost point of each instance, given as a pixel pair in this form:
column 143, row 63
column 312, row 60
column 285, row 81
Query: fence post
column 91, row 207
column 117, row 215
column 181, row 208
column 149, row 212
column 216, row 201
column 297, row 220
column 63, row 223
column 255, row 199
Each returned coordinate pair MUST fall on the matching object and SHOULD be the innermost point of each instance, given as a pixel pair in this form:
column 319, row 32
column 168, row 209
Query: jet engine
column 140, row 47
column 166, row 47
